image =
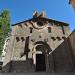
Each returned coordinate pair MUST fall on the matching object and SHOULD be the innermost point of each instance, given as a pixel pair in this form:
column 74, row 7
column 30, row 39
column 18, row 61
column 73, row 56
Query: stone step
column 38, row 73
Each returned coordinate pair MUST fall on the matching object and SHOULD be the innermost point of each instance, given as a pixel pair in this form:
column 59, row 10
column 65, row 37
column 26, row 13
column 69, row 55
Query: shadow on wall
column 19, row 66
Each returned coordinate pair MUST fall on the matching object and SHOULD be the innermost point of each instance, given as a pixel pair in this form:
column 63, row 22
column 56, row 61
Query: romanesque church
column 40, row 44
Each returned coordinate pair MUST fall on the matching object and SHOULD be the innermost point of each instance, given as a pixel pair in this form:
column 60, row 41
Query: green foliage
column 0, row 21
column 4, row 27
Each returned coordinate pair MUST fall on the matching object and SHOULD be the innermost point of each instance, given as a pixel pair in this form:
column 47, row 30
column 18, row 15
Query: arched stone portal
column 40, row 56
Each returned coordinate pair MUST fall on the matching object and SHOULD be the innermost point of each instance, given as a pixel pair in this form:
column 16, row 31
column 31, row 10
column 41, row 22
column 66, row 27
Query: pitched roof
column 44, row 19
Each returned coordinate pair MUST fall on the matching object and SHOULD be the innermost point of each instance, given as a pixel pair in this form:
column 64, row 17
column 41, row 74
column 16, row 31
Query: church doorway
column 40, row 62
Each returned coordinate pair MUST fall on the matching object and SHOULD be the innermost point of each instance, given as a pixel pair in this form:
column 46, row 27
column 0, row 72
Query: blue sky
column 21, row 10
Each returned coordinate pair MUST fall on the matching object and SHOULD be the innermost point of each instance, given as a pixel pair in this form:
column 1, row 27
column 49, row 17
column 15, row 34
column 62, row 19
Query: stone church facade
column 40, row 44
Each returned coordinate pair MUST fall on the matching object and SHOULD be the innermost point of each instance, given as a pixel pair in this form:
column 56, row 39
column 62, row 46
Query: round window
column 40, row 24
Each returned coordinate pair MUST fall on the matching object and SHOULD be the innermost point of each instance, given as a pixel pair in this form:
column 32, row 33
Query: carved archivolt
column 42, row 46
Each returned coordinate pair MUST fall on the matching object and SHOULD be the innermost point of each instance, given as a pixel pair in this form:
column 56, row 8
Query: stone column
column 51, row 63
column 47, row 62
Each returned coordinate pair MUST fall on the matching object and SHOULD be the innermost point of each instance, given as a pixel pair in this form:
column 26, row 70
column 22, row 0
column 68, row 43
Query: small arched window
column 63, row 38
column 22, row 38
column 53, row 38
column 31, row 29
column 58, row 38
column 17, row 39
